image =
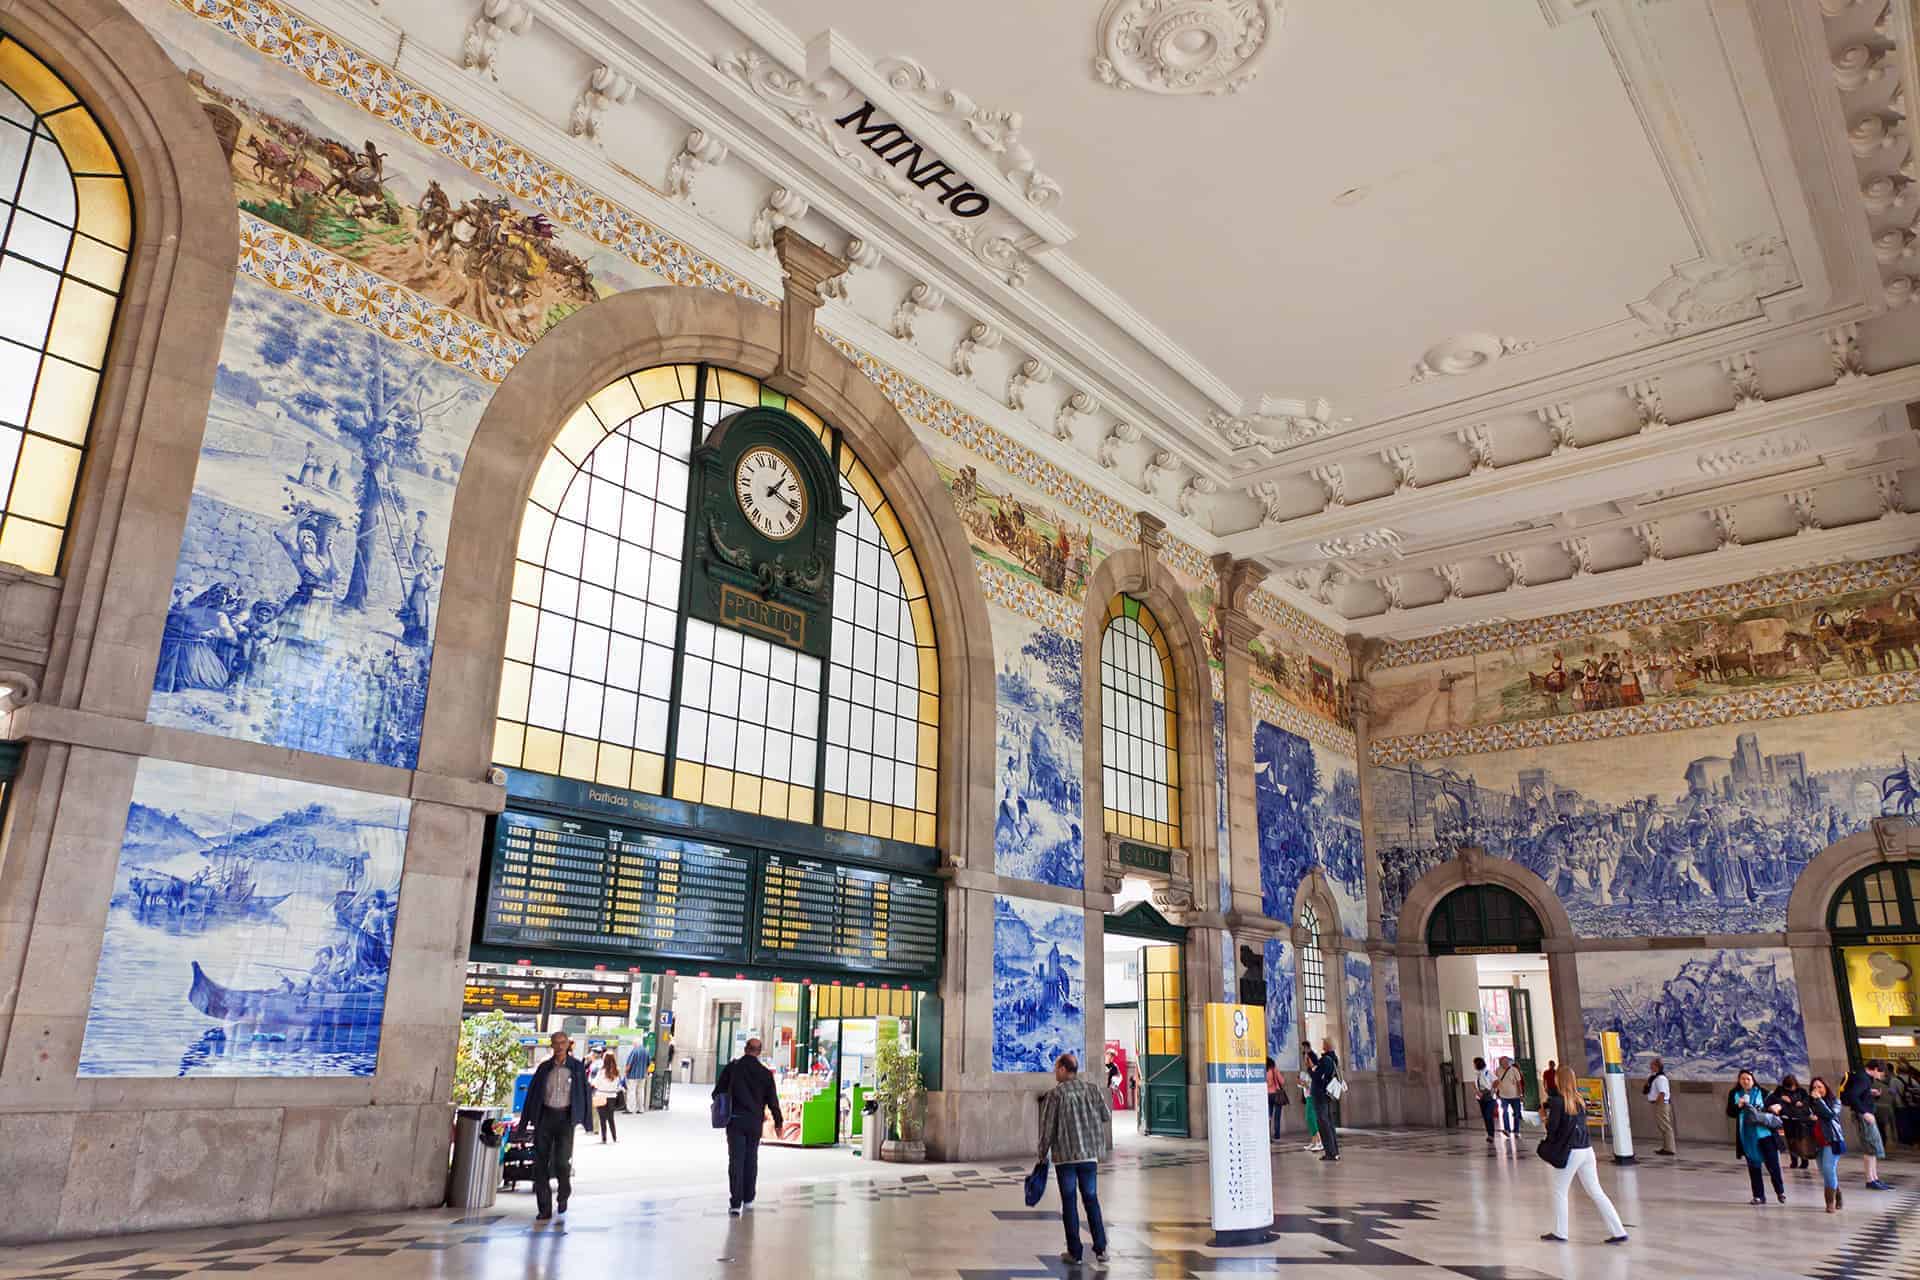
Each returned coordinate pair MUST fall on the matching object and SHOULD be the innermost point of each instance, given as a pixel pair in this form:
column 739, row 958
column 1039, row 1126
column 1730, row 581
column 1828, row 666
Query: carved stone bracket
column 921, row 298
column 496, row 20
column 1078, row 405
column 979, row 336
column 1161, row 463
column 806, row 266
column 1196, row 487
column 783, row 208
column 861, row 255
column 1121, row 433
column 702, row 150
column 604, row 88
column 1030, row 373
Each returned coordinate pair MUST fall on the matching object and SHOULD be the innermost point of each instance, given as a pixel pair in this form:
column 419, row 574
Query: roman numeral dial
column 767, row 486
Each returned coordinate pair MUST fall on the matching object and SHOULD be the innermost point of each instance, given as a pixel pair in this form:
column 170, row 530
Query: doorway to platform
column 1494, row 991
column 1146, row 1029
column 1875, row 922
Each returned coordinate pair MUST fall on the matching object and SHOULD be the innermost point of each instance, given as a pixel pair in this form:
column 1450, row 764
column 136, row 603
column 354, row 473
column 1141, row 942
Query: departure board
column 562, row 884
column 825, row 914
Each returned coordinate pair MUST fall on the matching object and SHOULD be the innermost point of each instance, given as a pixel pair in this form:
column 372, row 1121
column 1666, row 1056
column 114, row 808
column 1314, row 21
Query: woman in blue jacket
column 1758, row 1125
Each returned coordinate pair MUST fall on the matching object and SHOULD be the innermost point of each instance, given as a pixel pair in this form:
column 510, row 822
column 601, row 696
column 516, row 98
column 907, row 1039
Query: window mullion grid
column 694, row 429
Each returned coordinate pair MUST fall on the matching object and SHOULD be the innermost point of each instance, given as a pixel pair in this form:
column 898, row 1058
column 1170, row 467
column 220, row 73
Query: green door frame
column 1164, row 1078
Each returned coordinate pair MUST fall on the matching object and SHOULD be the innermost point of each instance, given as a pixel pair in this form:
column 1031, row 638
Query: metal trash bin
column 872, row 1132
column 474, row 1178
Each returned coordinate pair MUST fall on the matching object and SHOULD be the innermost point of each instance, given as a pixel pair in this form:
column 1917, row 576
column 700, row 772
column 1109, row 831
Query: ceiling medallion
column 1183, row 46
column 1465, row 353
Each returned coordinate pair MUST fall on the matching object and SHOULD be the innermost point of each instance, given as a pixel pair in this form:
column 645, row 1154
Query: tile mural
column 1646, row 657
column 309, row 575
column 1363, row 1049
column 1703, row 831
column 1283, row 1028
column 1038, row 733
column 250, row 928
column 1223, row 844
column 1389, row 969
column 1706, row 1014
column 1307, row 805
column 1039, row 983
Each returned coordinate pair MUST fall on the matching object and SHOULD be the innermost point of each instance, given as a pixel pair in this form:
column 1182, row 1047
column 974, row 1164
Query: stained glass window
column 68, row 224
column 1313, row 964
column 1140, row 766
column 596, row 637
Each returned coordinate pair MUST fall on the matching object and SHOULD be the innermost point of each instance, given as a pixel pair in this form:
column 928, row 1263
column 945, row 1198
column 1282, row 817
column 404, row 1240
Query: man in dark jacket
column 1326, row 1107
column 1859, row 1093
column 749, row 1090
column 557, row 1100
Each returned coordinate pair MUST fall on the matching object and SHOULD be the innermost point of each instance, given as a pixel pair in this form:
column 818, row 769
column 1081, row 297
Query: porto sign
column 895, row 146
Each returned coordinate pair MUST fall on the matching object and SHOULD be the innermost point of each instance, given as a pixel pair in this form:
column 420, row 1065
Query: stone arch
column 1135, row 573
column 1422, row 1018
column 645, row 327
column 1316, row 890
column 151, row 409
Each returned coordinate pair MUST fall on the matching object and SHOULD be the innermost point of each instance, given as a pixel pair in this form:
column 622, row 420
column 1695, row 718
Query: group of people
column 1322, row 1087
column 1807, row 1122
column 1502, row 1090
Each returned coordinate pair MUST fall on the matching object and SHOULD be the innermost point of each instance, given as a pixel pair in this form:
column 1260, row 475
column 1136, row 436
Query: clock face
column 767, row 486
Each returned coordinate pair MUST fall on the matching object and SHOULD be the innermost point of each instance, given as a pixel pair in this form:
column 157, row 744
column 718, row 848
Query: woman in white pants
column 1567, row 1148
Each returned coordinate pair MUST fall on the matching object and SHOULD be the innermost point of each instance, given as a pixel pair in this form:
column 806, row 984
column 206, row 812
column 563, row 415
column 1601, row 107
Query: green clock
column 766, row 503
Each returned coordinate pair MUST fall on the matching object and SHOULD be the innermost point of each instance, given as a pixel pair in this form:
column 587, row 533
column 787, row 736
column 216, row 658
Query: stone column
column 1237, row 579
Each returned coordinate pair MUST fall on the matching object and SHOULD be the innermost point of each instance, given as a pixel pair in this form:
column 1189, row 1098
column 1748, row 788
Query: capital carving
column 1238, row 579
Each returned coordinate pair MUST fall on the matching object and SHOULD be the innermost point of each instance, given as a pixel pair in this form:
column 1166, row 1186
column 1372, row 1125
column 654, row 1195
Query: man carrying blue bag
column 1076, row 1131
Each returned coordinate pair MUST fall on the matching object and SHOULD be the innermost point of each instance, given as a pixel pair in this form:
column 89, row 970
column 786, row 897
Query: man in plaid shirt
column 1076, row 1130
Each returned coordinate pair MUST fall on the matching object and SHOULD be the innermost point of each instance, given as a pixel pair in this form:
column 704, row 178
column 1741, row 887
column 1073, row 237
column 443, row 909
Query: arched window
column 1885, row 897
column 1483, row 915
column 68, row 223
column 1313, row 964
column 1140, row 765
column 606, row 679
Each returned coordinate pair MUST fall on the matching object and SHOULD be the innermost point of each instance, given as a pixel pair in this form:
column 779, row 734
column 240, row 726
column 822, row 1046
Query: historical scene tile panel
column 1307, row 804
column 250, row 930
column 309, row 576
column 1039, row 702
column 1389, row 971
column 1039, row 983
column 1363, row 1049
column 1703, row 831
column 1706, row 1014
column 1283, row 1023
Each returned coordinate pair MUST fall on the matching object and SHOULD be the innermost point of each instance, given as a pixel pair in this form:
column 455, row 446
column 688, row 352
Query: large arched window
column 606, row 679
column 68, row 223
column 1313, row 964
column 1140, row 764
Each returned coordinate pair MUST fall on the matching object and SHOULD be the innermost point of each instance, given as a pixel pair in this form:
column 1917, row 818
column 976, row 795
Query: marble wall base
column 984, row 1124
column 76, row 1173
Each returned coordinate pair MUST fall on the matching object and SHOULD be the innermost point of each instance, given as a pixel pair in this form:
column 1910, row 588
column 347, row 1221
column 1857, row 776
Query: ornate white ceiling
column 1441, row 311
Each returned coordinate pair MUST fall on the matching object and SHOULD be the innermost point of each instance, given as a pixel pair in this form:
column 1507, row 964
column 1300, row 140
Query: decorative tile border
column 281, row 35
column 1291, row 620
column 1850, row 694
column 292, row 265
column 1323, row 733
column 1029, row 599
column 1756, row 593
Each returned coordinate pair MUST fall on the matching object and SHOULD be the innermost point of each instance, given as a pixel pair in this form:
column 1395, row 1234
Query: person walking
column 1831, row 1136
column 556, row 1104
column 1510, row 1087
column 1860, row 1093
column 1483, row 1094
column 749, row 1089
column 1789, row 1102
column 1312, row 1113
column 1076, row 1130
column 1327, row 1088
column 1546, row 1078
column 606, row 1096
column 1659, row 1092
column 1276, row 1100
column 1758, row 1125
column 1569, row 1149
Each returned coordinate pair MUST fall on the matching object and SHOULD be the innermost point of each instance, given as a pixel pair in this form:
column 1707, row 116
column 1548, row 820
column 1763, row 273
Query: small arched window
column 68, row 223
column 1313, row 964
column 607, row 679
column 1140, row 762
column 1885, row 897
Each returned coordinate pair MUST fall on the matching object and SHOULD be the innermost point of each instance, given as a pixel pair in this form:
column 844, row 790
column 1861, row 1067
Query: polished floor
column 1406, row 1205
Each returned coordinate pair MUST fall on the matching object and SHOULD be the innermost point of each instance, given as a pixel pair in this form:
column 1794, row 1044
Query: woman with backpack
column 1827, row 1130
column 1570, row 1151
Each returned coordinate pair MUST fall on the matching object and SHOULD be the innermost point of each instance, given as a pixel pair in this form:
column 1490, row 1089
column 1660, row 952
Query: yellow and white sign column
column 1618, row 1119
column 1239, row 1156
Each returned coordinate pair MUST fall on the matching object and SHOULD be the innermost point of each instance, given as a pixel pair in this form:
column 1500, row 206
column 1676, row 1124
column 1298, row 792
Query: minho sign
column 896, row 146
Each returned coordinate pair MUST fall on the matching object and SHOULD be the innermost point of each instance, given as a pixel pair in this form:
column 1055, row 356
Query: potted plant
column 488, row 1060
column 903, row 1101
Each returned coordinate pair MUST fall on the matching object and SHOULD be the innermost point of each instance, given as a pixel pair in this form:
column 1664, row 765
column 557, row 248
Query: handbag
column 722, row 1110
column 1036, row 1184
column 1336, row 1088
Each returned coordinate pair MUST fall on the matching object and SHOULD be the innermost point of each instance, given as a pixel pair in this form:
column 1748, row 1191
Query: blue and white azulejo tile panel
column 1706, row 1014
column 1363, row 1051
column 1039, row 700
column 1039, row 983
column 250, row 931
column 1307, row 804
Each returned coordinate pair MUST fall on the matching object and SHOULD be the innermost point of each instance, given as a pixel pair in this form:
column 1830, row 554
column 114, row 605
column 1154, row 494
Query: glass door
column 1163, row 1032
